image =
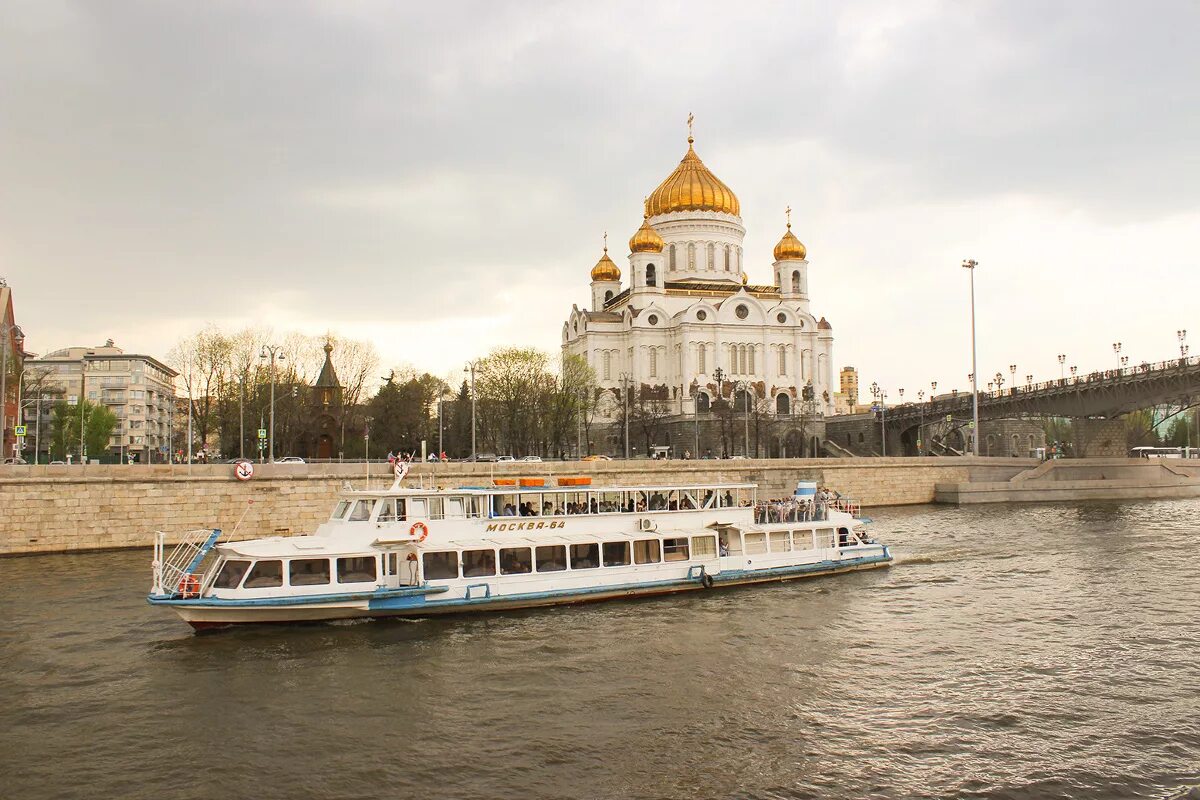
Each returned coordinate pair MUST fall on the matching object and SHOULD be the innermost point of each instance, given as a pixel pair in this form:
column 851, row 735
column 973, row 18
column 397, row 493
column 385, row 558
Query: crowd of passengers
column 656, row 502
column 794, row 509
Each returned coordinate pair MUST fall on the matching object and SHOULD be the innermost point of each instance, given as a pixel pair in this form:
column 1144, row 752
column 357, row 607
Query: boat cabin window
column 802, row 540
column 731, row 543
column 675, row 549
column 608, row 502
column 359, row 569
column 231, row 574
column 687, row 501
column 585, row 556
column 551, row 558
column 392, row 510
column 708, row 499
column 362, row 511
column 505, row 505
column 616, row 554
column 529, row 504
column 424, row 508
column 308, row 571
column 516, row 560
column 781, row 542
column 645, row 551
column 478, row 563
column 441, row 566
column 340, row 511
column 703, row 547
column 265, row 575
column 826, row 538
column 435, row 507
column 755, row 543
column 455, row 509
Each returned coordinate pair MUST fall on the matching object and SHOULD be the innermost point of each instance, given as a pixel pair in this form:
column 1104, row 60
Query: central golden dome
column 692, row 187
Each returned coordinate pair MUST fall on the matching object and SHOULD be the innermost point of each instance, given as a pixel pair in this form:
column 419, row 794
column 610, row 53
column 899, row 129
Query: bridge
column 1096, row 401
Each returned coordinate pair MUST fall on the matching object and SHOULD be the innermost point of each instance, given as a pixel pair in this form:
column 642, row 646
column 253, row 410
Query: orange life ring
column 189, row 586
column 419, row 526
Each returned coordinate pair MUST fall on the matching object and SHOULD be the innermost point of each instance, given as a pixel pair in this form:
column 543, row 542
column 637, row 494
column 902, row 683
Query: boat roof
column 488, row 490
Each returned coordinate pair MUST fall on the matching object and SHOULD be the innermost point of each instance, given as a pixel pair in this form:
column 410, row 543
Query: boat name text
column 524, row 526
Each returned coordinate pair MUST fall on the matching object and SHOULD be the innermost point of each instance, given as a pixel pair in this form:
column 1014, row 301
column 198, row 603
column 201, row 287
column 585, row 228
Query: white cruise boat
column 522, row 543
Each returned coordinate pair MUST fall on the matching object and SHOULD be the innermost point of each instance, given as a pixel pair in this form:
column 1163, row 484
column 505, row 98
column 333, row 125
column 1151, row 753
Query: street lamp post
column 881, row 396
column 275, row 354
column 696, row 414
column 626, row 379
column 744, row 388
column 470, row 367
column 921, row 423
column 999, row 382
column 971, row 264
column 1117, row 350
column 1182, row 336
column 1012, row 370
column 1062, row 370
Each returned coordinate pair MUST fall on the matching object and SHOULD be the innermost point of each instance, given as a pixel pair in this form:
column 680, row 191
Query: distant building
column 138, row 389
column 849, row 385
column 12, row 356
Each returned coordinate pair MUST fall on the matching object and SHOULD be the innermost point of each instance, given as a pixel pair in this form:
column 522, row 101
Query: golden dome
column 605, row 269
column 790, row 248
column 646, row 240
column 691, row 187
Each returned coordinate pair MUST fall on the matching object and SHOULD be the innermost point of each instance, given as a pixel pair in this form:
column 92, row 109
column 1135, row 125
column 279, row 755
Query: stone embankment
column 60, row 509
column 1069, row 480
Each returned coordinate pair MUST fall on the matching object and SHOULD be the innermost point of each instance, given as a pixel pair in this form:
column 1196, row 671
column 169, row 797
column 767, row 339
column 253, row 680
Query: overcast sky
column 437, row 177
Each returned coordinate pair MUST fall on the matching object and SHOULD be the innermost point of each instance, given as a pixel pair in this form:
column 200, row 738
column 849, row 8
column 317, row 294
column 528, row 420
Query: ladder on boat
column 175, row 574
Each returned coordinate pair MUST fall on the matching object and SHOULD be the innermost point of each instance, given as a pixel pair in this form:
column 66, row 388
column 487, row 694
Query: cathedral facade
column 684, row 324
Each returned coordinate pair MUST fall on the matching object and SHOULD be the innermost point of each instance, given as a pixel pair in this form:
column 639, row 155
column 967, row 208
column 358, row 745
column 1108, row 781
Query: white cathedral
column 690, row 323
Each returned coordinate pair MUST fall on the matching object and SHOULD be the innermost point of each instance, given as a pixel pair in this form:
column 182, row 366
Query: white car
column 289, row 460
column 532, row 458
column 503, row 459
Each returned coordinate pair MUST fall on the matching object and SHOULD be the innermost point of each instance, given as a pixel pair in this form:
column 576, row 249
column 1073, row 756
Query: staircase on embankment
column 1083, row 479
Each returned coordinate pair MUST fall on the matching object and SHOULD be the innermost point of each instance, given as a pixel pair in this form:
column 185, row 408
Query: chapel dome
column 692, row 187
column 646, row 239
column 790, row 248
column 605, row 269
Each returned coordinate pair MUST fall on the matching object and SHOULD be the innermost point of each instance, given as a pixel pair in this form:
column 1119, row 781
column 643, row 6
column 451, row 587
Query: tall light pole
column 1012, row 370
column 881, row 396
column 971, row 264
column 275, row 354
column 625, row 382
column 441, row 445
column 696, row 413
column 744, row 388
column 1062, row 370
column 1117, row 350
column 470, row 367
column 999, row 382
column 1182, row 336
column 921, row 423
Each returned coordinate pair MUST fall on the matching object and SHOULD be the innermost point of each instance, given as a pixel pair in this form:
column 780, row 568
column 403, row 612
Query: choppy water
column 1023, row 651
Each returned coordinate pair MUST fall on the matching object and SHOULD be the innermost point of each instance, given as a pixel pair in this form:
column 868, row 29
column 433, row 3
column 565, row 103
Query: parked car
column 739, row 458
column 58, row 463
column 504, row 459
column 531, row 458
column 596, row 458
column 289, row 460
column 19, row 460
column 481, row 457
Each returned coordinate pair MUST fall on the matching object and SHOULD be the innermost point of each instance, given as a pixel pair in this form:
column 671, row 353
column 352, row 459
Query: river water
column 1013, row 651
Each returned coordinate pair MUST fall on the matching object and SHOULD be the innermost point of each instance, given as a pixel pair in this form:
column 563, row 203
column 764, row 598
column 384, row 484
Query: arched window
column 728, row 260
column 712, row 257
column 860, row 437
column 606, row 360
column 1016, row 447
column 653, row 362
column 750, row 360
column 701, row 352
column 741, row 401
column 703, row 404
column 691, row 255
column 742, row 359
column 651, row 278
column 783, row 404
column 848, row 439
column 796, row 281
column 608, row 295
column 782, row 360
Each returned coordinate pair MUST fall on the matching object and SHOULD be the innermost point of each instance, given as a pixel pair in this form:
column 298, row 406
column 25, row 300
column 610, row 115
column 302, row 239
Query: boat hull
column 203, row 614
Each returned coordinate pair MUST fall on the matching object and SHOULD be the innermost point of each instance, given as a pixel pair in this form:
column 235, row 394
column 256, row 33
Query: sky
column 437, row 178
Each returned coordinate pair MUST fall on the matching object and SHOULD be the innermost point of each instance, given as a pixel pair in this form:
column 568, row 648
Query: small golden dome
column 745, row 279
column 692, row 187
column 605, row 269
column 646, row 240
column 790, row 248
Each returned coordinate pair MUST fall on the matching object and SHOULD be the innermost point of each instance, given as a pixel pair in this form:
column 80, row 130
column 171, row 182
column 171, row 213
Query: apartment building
column 138, row 389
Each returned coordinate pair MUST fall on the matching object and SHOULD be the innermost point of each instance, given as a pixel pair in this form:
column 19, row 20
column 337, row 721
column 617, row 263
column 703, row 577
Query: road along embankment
column 60, row 509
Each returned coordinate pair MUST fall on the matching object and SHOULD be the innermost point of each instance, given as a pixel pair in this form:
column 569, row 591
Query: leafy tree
column 99, row 423
column 651, row 407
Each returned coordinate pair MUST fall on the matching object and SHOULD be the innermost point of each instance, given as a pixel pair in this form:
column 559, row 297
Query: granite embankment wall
column 58, row 509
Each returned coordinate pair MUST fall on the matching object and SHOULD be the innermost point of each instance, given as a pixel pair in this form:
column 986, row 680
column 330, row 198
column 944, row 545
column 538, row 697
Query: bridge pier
column 1100, row 438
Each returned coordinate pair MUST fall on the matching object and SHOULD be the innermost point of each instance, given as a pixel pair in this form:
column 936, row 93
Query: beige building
column 138, row 389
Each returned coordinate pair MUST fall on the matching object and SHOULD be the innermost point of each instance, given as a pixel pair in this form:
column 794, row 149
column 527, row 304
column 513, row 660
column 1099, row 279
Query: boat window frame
column 594, row 556
column 372, row 559
column 370, row 502
column 627, row 549
column 462, row 558
column 773, row 536
column 328, row 571
column 538, row 559
column 425, row 565
column 674, row 549
column 341, row 510
column 756, row 540
column 529, row 562
column 248, row 562
column 695, row 551
column 657, row 554
column 254, row 567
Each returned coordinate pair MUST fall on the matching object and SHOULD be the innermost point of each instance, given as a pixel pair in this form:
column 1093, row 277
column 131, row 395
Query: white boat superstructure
column 419, row 552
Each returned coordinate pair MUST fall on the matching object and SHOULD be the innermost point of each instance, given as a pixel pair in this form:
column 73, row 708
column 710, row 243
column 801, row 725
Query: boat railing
column 777, row 511
column 175, row 573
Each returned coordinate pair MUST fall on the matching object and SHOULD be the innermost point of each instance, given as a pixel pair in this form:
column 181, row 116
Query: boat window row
column 488, row 562
column 269, row 573
column 759, row 542
column 540, row 504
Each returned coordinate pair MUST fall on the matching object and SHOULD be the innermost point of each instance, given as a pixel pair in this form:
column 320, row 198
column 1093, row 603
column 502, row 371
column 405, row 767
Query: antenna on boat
column 249, row 503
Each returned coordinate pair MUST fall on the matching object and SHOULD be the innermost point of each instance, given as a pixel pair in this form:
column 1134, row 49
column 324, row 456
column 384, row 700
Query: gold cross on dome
column 690, row 118
column 606, row 241
column 789, row 216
